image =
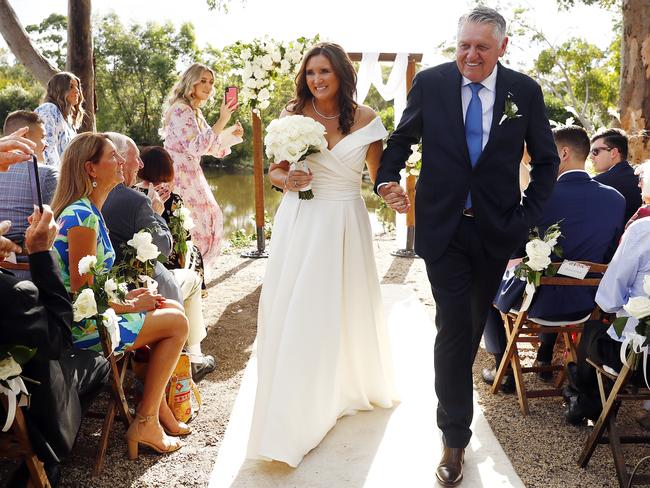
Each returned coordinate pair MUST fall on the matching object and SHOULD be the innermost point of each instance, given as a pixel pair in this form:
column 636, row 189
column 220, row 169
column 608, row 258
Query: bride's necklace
column 326, row 117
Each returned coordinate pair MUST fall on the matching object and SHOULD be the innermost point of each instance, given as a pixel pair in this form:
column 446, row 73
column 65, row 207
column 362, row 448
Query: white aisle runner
column 399, row 447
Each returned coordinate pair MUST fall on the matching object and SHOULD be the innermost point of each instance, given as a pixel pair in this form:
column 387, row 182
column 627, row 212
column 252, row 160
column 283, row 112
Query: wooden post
column 409, row 250
column 80, row 55
column 258, row 176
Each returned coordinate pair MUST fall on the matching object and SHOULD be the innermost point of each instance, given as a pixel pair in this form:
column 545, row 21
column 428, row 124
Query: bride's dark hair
column 347, row 83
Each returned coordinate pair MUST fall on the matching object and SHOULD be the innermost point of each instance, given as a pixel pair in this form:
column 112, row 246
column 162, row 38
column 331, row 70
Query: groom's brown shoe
column 450, row 469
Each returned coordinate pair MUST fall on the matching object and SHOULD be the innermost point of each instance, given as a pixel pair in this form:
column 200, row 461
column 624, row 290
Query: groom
column 473, row 117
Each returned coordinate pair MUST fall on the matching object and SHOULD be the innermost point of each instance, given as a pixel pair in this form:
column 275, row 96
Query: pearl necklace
column 326, row 117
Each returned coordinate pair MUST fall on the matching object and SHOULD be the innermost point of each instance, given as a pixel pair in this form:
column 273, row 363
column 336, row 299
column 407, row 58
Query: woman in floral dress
column 62, row 113
column 187, row 137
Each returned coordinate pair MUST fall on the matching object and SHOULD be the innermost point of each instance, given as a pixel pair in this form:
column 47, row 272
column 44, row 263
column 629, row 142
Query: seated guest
column 591, row 221
column 128, row 211
column 622, row 281
column 90, row 169
column 158, row 170
column 643, row 172
column 14, row 148
column 16, row 202
column 39, row 315
column 609, row 157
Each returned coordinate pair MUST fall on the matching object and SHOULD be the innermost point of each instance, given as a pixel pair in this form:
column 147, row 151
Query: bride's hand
column 297, row 180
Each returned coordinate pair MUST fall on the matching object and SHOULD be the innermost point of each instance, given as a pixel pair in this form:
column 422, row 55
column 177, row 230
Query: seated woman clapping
column 90, row 168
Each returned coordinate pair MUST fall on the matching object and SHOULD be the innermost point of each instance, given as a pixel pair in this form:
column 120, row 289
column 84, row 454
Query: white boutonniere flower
column 510, row 111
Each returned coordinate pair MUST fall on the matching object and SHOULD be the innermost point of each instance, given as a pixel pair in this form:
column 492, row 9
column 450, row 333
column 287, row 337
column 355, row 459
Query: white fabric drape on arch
column 394, row 89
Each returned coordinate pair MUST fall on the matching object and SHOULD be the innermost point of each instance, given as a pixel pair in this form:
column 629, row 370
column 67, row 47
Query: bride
column 322, row 344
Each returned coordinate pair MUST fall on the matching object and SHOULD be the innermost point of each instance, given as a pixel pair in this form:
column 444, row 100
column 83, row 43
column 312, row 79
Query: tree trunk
column 20, row 45
column 80, row 55
column 634, row 101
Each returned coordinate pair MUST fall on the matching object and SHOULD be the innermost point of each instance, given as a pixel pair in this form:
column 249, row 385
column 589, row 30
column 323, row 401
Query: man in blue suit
column 473, row 117
column 609, row 156
column 591, row 217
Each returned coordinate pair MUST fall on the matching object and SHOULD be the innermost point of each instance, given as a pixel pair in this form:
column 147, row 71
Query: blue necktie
column 474, row 129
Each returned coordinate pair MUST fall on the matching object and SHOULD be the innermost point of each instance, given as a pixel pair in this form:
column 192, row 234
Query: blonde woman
column 62, row 113
column 90, row 169
column 187, row 137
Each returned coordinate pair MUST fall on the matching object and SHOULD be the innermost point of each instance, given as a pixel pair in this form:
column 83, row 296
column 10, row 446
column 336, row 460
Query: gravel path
column 541, row 446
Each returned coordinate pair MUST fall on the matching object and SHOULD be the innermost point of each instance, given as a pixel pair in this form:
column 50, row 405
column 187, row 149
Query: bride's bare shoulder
column 289, row 109
column 364, row 115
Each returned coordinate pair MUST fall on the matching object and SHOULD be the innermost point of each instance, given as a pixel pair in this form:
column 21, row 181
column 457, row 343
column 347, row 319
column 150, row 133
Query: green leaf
column 619, row 325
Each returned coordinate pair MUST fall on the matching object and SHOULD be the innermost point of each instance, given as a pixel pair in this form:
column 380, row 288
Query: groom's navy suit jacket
column 591, row 221
column 434, row 114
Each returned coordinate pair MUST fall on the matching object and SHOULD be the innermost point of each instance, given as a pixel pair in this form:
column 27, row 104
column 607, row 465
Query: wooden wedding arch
column 258, row 170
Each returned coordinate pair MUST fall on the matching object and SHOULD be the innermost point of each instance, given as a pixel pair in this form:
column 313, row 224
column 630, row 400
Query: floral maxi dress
column 187, row 137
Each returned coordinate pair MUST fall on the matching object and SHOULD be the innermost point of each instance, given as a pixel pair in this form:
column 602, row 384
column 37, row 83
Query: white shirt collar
column 573, row 171
column 490, row 82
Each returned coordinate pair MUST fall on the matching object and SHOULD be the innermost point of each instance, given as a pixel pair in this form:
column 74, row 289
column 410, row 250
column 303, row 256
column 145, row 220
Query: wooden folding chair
column 521, row 328
column 117, row 404
column 607, row 421
column 15, row 444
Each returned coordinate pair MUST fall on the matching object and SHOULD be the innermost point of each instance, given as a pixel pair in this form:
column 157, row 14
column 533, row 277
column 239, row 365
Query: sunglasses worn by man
column 595, row 151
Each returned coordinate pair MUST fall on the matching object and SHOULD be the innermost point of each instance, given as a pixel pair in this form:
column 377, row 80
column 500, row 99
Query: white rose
column 267, row 62
column 285, row 66
column 110, row 287
column 86, row 263
column 538, row 253
column 414, row 172
column 246, row 54
column 9, row 368
column 112, row 325
column 139, row 239
column 415, row 157
column 250, row 83
column 276, row 56
column 259, row 73
column 646, row 284
column 264, row 104
column 638, row 307
column 264, row 94
column 261, row 84
column 146, row 252
column 247, row 72
column 84, row 306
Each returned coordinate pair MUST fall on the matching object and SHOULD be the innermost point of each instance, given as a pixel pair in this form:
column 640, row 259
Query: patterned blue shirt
column 58, row 133
column 624, row 276
column 16, row 202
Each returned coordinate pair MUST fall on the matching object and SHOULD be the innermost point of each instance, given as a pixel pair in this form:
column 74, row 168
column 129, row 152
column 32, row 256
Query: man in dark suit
column 473, row 118
column 609, row 156
column 128, row 211
column 591, row 220
column 38, row 314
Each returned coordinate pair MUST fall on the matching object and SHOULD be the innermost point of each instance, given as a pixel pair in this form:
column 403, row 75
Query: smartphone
column 35, row 183
column 231, row 94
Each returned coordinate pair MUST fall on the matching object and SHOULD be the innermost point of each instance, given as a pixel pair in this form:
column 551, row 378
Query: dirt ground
column 542, row 448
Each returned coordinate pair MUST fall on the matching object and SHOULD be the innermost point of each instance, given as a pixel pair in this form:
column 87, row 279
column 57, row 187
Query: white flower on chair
column 539, row 254
column 638, row 307
column 86, row 263
column 85, row 305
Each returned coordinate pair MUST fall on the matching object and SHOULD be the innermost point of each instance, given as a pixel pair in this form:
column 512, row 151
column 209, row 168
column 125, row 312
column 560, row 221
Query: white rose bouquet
column 292, row 139
column 537, row 262
column 180, row 225
column 93, row 299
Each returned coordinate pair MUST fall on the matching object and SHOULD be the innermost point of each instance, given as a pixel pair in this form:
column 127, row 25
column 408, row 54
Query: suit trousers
column 464, row 281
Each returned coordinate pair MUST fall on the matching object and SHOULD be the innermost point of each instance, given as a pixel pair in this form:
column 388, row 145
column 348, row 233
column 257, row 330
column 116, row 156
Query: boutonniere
column 510, row 112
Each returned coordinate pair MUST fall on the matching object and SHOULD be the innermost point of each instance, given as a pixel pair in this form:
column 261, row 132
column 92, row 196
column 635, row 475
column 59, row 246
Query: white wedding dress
column 322, row 344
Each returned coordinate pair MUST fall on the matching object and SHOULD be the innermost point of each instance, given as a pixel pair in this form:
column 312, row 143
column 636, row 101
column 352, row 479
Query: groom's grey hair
column 485, row 15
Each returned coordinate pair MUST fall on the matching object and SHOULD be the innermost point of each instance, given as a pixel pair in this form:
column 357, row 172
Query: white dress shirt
column 487, row 94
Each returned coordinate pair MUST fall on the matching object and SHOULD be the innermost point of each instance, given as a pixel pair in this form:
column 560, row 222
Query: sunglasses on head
column 596, row 150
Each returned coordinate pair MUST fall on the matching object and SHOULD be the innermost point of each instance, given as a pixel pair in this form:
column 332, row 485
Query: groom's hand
column 395, row 197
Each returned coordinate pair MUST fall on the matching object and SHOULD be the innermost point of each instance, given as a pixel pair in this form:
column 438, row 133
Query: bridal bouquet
column 292, row 139
column 537, row 262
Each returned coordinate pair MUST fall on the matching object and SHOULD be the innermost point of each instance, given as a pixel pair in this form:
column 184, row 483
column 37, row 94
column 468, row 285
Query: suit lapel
column 453, row 105
column 504, row 83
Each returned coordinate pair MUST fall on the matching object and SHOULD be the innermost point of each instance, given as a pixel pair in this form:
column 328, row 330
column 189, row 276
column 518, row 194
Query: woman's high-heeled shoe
column 133, row 438
column 183, row 430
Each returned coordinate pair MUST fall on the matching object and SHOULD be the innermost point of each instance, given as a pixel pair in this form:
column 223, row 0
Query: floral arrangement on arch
column 259, row 63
